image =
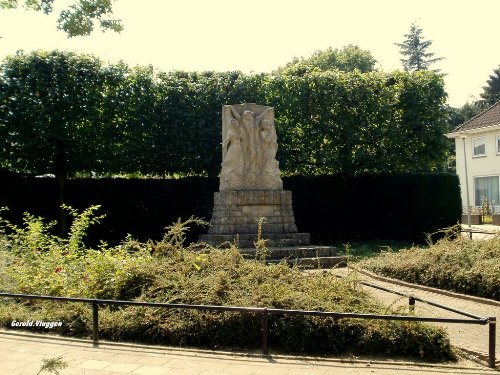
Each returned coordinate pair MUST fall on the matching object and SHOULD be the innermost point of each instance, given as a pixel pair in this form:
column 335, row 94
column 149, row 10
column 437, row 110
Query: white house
column 477, row 144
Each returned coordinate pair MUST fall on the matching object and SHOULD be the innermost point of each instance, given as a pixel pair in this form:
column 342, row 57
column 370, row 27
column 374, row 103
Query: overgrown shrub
column 208, row 276
column 459, row 264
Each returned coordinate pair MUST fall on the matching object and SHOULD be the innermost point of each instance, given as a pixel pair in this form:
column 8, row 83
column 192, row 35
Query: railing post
column 95, row 323
column 492, row 324
column 265, row 329
column 411, row 304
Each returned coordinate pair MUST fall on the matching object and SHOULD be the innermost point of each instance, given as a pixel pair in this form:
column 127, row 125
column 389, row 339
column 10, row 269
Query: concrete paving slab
column 92, row 364
column 153, row 360
column 27, row 369
column 152, row 370
column 8, row 364
column 83, row 359
column 125, row 357
column 123, row 368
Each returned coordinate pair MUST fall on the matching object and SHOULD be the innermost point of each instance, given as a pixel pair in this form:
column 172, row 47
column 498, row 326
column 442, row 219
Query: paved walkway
column 486, row 228
column 472, row 338
column 22, row 354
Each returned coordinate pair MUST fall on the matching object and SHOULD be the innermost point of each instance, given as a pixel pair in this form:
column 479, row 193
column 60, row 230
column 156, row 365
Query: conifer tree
column 491, row 92
column 415, row 50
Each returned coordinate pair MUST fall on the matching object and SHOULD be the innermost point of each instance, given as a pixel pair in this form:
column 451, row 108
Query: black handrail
column 478, row 231
column 491, row 321
column 451, row 309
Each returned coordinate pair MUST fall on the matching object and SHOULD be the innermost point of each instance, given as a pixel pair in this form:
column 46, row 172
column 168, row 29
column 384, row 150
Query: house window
column 498, row 143
column 479, row 146
column 487, row 187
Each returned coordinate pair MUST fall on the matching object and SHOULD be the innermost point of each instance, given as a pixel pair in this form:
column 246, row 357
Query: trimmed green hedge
column 115, row 119
column 385, row 206
column 331, row 208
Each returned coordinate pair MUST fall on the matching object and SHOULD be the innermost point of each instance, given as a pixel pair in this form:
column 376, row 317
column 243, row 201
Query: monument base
column 236, row 215
column 305, row 257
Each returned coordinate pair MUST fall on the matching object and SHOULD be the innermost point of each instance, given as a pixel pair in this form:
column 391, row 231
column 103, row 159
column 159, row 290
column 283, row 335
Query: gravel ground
column 471, row 338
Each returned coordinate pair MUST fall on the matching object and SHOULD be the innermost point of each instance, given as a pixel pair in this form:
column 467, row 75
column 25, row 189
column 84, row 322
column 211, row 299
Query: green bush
column 460, row 265
column 136, row 271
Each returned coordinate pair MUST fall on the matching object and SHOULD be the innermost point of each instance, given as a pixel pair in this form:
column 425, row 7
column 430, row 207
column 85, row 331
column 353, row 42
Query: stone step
column 315, row 263
column 294, row 252
column 303, row 256
column 246, row 240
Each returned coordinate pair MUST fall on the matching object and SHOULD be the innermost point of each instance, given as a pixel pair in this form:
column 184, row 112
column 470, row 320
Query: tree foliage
column 415, row 50
column 352, row 123
column 458, row 116
column 51, row 107
column 347, row 59
column 71, row 115
column 491, row 92
column 77, row 19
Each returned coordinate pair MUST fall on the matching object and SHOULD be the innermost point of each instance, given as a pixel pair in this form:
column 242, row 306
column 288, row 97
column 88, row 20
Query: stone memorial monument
column 250, row 183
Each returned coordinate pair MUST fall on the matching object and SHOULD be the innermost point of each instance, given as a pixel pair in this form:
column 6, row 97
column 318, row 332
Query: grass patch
column 358, row 250
column 33, row 261
column 453, row 263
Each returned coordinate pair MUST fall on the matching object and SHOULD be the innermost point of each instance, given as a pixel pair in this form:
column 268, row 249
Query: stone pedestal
column 236, row 214
column 250, row 184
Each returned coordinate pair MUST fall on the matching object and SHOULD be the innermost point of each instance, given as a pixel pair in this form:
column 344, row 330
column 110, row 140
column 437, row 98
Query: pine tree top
column 415, row 49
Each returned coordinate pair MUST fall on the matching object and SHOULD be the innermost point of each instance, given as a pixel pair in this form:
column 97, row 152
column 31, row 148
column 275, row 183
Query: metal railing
column 265, row 312
column 475, row 319
column 471, row 231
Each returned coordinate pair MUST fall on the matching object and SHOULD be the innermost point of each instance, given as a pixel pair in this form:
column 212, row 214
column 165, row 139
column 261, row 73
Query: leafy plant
column 487, row 210
column 35, row 235
column 173, row 240
column 79, row 227
column 262, row 252
column 78, row 19
column 53, row 365
column 72, row 115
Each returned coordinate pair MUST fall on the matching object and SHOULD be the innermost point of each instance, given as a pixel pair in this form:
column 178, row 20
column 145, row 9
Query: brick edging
column 485, row 301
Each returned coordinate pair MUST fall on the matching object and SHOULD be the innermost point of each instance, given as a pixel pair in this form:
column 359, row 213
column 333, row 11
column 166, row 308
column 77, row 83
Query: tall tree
column 50, row 104
column 457, row 116
column 415, row 50
column 347, row 59
column 491, row 92
column 76, row 20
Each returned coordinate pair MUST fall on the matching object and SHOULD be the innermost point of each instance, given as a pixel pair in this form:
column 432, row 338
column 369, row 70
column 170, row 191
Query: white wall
column 483, row 166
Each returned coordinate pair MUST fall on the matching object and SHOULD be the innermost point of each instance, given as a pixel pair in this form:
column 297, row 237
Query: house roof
column 489, row 117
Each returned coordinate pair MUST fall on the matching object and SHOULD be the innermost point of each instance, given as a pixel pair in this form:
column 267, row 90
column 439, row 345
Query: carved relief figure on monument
column 252, row 143
column 233, row 161
column 269, row 146
column 251, row 163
